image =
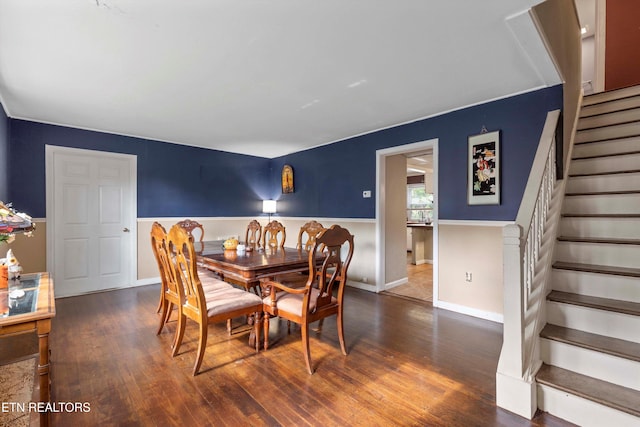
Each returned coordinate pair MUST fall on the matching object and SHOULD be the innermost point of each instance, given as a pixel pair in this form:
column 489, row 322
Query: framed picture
column 483, row 169
column 287, row 179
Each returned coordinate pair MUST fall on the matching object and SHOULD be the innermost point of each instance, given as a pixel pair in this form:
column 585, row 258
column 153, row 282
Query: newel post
column 513, row 391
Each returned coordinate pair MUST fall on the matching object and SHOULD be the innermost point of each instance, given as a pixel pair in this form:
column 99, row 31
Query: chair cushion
column 228, row 299
column 213, row 283
column 292, row 303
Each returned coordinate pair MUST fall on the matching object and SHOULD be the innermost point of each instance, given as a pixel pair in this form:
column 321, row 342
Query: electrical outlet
column 366, row 194
column 467, row 276
column 365, row 280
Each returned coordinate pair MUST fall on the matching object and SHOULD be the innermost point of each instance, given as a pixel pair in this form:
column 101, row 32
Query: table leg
column 44, row 327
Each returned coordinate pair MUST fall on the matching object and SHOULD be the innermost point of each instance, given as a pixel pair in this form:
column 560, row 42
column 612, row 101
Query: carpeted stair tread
column 602, row 269
column 614, row 396
column 616, row 347
column 613, row 305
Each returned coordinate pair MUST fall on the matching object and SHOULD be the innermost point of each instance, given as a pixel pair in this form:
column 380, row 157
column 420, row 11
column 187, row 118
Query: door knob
column 126, row 230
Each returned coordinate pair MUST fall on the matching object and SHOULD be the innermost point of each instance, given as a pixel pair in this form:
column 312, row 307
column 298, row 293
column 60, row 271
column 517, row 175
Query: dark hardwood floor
column 408, row 365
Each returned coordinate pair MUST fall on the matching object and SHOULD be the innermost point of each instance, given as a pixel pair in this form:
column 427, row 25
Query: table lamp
column 269, row 207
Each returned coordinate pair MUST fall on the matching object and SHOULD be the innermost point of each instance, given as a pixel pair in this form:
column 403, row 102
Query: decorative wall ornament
column 287, row 179
column 483, row 169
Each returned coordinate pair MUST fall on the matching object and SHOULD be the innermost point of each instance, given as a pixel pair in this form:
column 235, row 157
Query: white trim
column 474, row 223
column 148, row 281
column 360, row 285
column 240, row 218
column 487, row 315
column 381, row 200
column 399, row 282
column 600, row 45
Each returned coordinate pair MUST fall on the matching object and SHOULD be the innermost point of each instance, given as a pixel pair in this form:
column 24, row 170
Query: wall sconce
column 269, row 207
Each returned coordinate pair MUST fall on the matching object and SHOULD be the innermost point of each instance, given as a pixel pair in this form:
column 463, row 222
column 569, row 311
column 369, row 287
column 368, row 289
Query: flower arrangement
column 13, row 222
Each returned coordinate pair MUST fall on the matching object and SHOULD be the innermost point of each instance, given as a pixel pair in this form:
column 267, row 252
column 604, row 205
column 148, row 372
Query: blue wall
column 173, row 180
column 329, row 180
column 180, row 181
column 4, row 156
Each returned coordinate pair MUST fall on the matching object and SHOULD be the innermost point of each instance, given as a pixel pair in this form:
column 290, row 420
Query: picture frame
column 483, row 169
column 287, row 179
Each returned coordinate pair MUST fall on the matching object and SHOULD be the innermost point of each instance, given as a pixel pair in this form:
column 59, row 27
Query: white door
column 91, row 220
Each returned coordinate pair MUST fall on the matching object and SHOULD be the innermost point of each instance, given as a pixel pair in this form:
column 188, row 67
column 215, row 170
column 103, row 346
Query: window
column 419, row 204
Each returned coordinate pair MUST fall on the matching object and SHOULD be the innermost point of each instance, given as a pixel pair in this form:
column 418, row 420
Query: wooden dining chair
column 202, row 305
column 170, row 297
column 323, row 294
column 253, row 234
column 274, row 235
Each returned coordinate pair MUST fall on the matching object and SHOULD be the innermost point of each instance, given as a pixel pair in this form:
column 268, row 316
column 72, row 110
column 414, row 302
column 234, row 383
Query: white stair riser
column 581, row 411
column 611, row 95
column 603, row 204
column 605, row 164
column 601, row 322
column 606, row 147
column 610, row 132
column 611, row 118
column 598, row 254
column 616, row 182
column 609, row 107
column 600, row 227
column 596, row 284
column 594, row 364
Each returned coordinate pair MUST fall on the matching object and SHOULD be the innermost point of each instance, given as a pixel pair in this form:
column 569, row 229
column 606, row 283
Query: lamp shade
column 269, row 206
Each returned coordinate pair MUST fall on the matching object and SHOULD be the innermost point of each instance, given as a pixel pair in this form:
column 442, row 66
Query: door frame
column 50, row 151
column 381, row 203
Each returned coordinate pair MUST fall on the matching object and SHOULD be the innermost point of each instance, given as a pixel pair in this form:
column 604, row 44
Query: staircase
column 590, row 346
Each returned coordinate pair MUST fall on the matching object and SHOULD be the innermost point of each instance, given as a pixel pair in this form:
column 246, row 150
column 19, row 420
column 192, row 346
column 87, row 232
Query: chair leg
column 319, row 328
column 160, row 301
column 266, row 331
column 257, row 321
column 182, row 320
column 229, row 326
column 202, row 345
column 166, row 311
column 305, row 346
column 341, row 333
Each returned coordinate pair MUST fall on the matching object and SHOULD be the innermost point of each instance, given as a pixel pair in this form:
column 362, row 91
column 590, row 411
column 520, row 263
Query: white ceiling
column 261, row 77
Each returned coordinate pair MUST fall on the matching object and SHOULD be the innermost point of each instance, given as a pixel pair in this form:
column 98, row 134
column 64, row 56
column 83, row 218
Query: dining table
column 249, row 266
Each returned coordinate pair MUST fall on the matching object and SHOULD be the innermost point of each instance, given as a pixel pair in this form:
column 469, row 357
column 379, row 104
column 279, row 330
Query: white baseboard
column 148, row 281
column 361, row 285
column 487, row 315
column 424, row 261
column 395, row 283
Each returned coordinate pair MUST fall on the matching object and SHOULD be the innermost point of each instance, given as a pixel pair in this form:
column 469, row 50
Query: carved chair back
column 194, row 228
column 311, row 230
column 335, row 246
column 186, row 272
column 253, row 234
column 170, row 294
column 274, row 235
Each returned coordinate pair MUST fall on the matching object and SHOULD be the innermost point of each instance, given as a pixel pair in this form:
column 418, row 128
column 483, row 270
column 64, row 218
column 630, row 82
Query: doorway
column 91, row 213
column 388, row 227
